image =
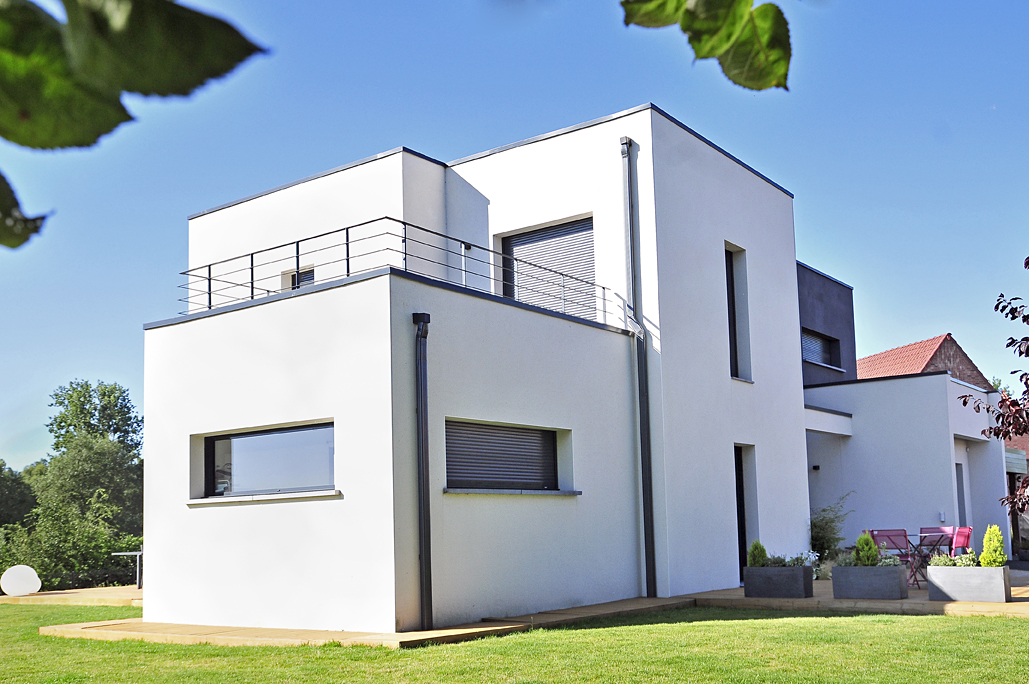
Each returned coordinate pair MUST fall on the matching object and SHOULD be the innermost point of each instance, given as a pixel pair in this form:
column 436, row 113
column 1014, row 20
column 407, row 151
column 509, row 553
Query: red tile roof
column 906, row 360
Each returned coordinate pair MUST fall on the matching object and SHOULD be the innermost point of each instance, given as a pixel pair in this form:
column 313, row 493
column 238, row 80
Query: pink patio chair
column 934, row 539
column 962, row 540
column 897, row 540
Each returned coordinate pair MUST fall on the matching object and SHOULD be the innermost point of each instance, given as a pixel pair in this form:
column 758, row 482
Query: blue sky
column 904, row 138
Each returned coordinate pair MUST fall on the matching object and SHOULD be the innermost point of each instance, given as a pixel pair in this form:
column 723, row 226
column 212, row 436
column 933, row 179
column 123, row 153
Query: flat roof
column 504, row 148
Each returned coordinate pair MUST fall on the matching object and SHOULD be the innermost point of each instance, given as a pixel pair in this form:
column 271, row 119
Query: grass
column 687, row 645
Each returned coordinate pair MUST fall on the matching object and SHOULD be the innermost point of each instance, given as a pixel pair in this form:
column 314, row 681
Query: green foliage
column 993, row 555
column 16, row 499
column 866, row 553
column 888, row 561
column 61, row 84
column 942, row 560
column 69, row 549
column 89, row 464
column 827, row 528
column 757, row 557
column 846, row 560
column 752, row 45
column 776, row 562
column 966, row 560
column 101, row 411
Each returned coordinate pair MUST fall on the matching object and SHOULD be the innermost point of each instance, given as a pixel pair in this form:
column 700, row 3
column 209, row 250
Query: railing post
column 346, row 239
column 562, row 293
column 251, row 275
column 208, row 286
column 603, row 304
column 296, row 276
column 464, row 269
column 404, row 241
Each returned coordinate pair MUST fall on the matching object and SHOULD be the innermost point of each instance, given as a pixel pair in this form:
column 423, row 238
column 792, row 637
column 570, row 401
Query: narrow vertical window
column 730, row 285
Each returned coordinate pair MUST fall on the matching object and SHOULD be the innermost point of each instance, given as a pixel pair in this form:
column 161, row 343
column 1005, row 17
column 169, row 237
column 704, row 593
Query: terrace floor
column 918, row 603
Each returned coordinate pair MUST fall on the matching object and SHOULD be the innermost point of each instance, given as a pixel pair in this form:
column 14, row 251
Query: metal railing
column 386, row 241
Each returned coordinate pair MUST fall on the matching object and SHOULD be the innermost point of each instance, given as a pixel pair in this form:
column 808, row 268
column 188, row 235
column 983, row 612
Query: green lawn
column 693, row 644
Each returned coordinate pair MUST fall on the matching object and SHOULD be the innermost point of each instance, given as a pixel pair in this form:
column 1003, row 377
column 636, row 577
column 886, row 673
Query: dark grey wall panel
column 827, row 308
column 500, row 457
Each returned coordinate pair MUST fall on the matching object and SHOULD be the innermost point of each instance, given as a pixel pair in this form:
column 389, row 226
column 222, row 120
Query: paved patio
column 114, row 630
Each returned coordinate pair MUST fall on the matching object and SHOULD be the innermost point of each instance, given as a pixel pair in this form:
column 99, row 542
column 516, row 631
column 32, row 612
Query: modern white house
column 889, row 431
column 407, row 393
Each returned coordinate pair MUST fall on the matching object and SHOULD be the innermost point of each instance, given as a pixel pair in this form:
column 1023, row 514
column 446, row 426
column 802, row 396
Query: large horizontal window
column 500, row 457
column 269, row 461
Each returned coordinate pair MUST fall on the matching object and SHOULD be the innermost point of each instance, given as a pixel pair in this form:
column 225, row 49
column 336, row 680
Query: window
column 269, row 462
column 563, row 249
column 291, row 282
column 739, row 315
column 500, row 457
column 819, row 348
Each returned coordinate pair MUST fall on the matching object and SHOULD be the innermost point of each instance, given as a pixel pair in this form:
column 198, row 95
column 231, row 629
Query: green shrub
column 776, row 562
column 757, row 557
column 866, row 553
column 993, row 555
column 888, row 561
column 966, row 561
column 941, row 560
column 846, row 560
column 826, row 529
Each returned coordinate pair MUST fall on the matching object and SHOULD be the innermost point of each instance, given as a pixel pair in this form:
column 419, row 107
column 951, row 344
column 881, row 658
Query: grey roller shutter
column 815, row 348
column 540, row 257
column 500, row 457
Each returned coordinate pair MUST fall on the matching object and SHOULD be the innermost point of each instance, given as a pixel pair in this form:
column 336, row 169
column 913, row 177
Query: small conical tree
column 993, row 555
column 866, row 553
column 757, row 557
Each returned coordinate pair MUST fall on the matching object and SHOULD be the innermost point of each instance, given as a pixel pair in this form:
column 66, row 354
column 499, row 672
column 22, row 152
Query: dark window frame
column 832, row 346
column 545, row 463
column 209, row 461
column 730, row 287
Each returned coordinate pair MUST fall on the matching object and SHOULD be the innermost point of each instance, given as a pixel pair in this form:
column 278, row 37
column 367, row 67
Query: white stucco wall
column 318, row 564
column 908, row 433
column 507, row 554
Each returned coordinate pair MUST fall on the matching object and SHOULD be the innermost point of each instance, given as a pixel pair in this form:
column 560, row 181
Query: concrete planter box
column 991, row 585
column 887, row 583
column 778, row 582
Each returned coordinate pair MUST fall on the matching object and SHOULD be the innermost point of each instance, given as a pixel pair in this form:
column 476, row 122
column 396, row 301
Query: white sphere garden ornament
column 20, row 580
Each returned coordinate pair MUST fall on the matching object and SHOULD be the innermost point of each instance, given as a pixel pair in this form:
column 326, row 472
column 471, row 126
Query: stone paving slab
column 98, row 596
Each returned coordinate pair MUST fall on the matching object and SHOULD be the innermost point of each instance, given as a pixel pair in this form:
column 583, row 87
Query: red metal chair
column 897, row 540
column 962, row 540
column 933, row 539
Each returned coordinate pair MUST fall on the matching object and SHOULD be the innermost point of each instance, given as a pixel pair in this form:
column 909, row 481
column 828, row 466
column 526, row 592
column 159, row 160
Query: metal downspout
column 422, row 419
column 642, row 382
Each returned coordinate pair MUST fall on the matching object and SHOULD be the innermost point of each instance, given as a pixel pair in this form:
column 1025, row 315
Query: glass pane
column 287, row 460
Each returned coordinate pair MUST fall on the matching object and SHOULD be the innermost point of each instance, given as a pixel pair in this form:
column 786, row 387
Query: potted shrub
column 868, row 574
column 777, row 577
column 958, row 579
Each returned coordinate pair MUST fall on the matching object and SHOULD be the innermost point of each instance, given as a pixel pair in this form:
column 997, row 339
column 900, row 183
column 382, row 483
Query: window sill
column 824, row 365
column 521, row 492
column 749, row 382
column 252, row 498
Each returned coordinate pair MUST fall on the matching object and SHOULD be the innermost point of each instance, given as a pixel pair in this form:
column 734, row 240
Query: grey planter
column 990, row 585
column 888, row 583
column 778, row 582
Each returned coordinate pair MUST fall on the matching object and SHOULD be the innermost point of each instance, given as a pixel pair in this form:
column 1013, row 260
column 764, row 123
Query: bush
column 827, row 529
column 993, row 555
column 802, row 559
column 888, row 561
column 941, row 560
column 966, row 561
column 776, row 562
column 866, row 553
column 757, row 557
column 846, row 560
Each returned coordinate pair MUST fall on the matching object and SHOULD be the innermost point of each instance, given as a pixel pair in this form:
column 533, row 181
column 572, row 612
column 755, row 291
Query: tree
column 752, row 44
column 101, row 411
column 61, row 84
column 1011, row 414
column 16, row 498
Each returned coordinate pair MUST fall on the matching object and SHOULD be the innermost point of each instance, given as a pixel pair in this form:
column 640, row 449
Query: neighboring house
column 894, row 435
column 607, row 401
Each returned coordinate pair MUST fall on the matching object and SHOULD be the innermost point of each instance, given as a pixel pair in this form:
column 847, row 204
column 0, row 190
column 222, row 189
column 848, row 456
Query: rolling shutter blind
column 500, row 457
column 815, row 348
column 567, row 249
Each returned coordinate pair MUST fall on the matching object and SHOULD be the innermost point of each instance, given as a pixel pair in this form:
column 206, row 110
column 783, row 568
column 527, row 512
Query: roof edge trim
column 826, row 275
column 359, row 162
column 883, row 377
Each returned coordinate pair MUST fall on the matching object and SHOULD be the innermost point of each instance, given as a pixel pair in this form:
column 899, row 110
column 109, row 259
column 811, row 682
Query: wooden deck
column 99, row 596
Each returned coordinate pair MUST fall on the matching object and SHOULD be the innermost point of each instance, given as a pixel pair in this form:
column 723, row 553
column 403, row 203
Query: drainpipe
column 642, row 384
column 422, row 418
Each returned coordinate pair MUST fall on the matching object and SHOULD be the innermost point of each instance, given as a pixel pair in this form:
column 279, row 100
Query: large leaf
column 41, row 105
column 653, row 13
column 714, row 25
column 15, row 227
column 760, row 57
column 152, row 47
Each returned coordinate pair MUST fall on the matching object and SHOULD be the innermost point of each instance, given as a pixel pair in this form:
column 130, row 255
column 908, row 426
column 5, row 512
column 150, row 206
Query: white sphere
column 20, row 580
